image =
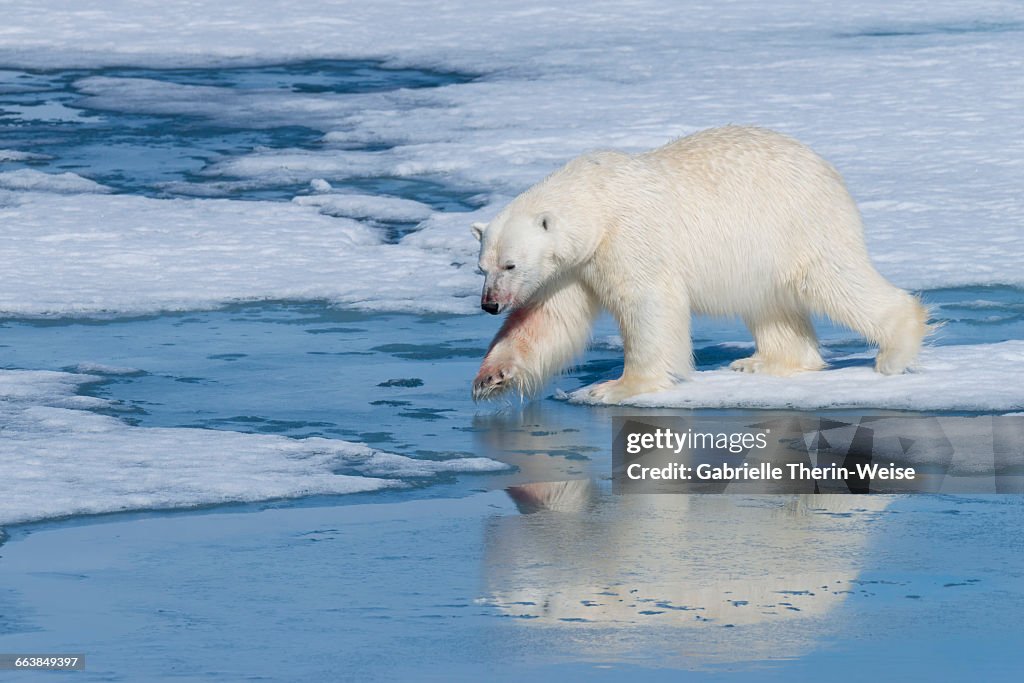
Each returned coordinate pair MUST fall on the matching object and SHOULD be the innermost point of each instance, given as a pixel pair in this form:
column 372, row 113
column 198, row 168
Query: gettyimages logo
column 807, row 454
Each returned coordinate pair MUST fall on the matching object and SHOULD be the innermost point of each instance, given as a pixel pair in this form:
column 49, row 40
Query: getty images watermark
column 808, row 454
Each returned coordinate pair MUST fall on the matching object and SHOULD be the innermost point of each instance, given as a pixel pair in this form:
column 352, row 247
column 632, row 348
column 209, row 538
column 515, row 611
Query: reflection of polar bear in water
column 729, row 221
column 764, row 564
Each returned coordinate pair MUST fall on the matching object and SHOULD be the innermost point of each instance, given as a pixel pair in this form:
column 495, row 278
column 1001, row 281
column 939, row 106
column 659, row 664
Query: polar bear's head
column 517, row 257
column 543, row 235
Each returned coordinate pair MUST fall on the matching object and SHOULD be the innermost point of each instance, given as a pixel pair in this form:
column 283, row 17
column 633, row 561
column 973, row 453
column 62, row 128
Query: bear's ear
column 478, row 230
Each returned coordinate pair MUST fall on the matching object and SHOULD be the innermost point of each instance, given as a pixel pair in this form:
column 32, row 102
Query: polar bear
column 732, row 221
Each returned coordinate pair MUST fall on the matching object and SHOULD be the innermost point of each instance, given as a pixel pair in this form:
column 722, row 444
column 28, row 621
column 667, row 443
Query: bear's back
column 741, row 154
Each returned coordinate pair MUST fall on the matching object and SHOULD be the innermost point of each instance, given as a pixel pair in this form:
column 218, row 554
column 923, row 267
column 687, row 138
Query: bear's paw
column 492, row 381
column 618, row 390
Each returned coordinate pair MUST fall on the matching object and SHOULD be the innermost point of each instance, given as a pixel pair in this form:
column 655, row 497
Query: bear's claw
column 490, row 384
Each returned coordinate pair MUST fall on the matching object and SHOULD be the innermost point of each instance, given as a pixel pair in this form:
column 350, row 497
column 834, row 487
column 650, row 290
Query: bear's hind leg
column 887, row 316
column 905, row 333
column 785, row 344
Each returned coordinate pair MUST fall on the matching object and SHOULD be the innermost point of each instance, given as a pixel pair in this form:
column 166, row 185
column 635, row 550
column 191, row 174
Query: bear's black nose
column 490, row 307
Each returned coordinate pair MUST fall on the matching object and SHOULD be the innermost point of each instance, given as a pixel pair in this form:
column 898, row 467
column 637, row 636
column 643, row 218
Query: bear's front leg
column 537, row 341
column 658, row 349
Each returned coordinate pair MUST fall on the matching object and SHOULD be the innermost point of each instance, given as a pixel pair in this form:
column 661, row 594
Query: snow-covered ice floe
column 60, row 459
column 37, row 181
column 89, row 254
column 981, row 377
column 355, row 205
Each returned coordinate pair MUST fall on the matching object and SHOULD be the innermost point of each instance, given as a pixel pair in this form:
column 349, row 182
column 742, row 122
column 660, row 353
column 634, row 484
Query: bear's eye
column 509, row 266
column 544, row 222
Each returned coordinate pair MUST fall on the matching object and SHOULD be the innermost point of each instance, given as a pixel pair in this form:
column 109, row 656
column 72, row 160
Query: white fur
column 728, row 221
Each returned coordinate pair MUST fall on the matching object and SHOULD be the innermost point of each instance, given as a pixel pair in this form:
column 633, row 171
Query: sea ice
column 37, row 181
column 90, row 254
column 970, row 377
